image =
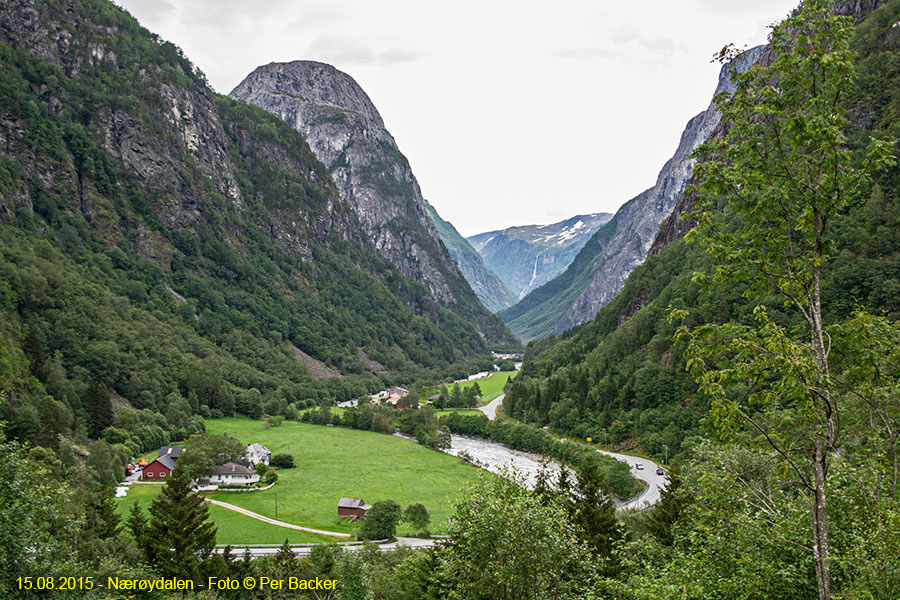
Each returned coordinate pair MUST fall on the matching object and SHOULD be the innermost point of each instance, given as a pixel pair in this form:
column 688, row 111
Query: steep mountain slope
column 347, row 134
column 185, row 251
column 527, row 257
column 622, row 372
column 486, row 285
column 599, row 271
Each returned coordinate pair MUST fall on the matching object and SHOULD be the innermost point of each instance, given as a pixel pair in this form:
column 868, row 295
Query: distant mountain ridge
column 600, row 269
column 346, row 133
column 484, row 282
column 527, row 256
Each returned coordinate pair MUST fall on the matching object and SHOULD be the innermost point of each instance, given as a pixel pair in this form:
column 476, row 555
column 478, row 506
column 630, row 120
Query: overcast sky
column 510, row 113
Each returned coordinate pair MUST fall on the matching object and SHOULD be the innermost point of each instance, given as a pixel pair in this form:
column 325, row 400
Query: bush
column 274, row 421
column 381, row 521
column 283, row 461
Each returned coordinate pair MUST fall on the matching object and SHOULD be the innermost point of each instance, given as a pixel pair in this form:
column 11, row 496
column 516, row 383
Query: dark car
column 659, row 471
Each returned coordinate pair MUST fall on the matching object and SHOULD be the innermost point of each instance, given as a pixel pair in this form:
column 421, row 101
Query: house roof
column 166, row 461
column 173, row 451
column 353, row 503
column 435, row 397
column 231, row 468
column 258, row 449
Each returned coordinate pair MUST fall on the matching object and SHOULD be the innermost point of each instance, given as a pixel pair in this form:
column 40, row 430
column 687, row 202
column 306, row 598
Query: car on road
column 639, row 466
column 659, row 471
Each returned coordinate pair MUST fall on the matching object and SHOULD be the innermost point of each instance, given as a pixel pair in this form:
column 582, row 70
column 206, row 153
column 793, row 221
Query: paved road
column 257, row 550
column 655, row 483
column 259, row 517
column 490, row 409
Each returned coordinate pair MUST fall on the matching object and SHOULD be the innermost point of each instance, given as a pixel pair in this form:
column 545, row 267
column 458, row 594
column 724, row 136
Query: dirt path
column 259, row 517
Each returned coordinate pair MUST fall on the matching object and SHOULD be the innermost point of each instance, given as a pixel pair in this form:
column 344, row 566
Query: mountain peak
column 346, row 133
column 311, row 82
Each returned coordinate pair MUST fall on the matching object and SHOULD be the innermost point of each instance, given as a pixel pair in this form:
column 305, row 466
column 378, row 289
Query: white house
column 232, row 474
column 257, row 453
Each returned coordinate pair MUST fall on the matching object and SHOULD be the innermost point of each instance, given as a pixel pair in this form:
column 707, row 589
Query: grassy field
column 461, row 411
column 334, row 462
column 233, row 528
column 491, row 386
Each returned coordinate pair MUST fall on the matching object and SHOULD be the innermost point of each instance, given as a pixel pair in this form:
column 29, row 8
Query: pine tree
column 99, row 408
column 595, row 513
column 138, row 525
column 100, row 517
column 180, row 537
column 667, row 511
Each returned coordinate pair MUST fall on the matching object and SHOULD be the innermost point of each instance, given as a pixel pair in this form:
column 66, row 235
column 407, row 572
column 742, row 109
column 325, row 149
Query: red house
column 159, row 469
column 162, row 467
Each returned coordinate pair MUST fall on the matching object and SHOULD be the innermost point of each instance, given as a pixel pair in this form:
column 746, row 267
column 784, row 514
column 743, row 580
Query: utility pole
column 234, row 422
column 605, row 447
column 666, row 462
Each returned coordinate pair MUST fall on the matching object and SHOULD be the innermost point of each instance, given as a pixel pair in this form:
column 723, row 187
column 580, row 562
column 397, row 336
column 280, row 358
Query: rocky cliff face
column 600, row 270
column 347, row 134
column 527, row 257
column 484, row 282
column 110, row 138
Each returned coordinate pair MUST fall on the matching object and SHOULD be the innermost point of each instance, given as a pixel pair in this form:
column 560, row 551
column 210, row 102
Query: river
column 496, row 457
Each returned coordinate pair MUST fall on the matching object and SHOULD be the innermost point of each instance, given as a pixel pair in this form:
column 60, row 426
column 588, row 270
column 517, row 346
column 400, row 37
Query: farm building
column 162, row 466
column 257, row 453
column 232, row 474
column 352, row 507
column 159, row 469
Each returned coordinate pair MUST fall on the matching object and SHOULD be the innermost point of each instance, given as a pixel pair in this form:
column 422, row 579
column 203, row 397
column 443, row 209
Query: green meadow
column 233, row 528
column 491, row 386
column 333, row 462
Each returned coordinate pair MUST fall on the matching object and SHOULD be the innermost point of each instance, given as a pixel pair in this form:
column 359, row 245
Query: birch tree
column 769, row 191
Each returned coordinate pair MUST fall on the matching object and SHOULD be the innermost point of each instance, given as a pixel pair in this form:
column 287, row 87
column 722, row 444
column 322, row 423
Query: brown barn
column 352, row 507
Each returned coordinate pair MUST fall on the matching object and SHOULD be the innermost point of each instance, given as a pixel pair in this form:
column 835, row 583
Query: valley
column 244, row 305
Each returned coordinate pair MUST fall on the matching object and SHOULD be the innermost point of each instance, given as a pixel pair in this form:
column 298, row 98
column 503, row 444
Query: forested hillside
column 623, row 372
column 177, row 250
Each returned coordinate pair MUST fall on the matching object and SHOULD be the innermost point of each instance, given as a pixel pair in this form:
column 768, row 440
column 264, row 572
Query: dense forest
column 169, row 254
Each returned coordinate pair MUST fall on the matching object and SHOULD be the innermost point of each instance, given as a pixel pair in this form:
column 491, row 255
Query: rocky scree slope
column 345, row 131
column 486, row 285
column 600, row 269
column 528, row 256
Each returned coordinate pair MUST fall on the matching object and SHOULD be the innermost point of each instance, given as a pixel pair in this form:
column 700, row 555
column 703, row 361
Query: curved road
column 490, row 409
column 655, row 483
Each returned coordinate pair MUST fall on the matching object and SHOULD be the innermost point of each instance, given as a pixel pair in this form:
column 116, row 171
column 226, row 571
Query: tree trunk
column 824, row 436
column 820, row 521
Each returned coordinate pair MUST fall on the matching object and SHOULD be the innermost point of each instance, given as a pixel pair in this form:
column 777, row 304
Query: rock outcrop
column 346, row 133
column 599, row 271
